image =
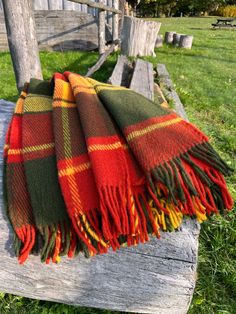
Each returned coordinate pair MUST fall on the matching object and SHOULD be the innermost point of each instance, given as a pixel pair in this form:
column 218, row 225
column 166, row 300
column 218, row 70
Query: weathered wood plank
column 169, row 90
column 142, row 80
column 121, row 74
column 115, row 21
column 97, row 5
column 40, row 4
column 156, row 277
column 101, row 30
column 62, row 30
column 55, row 4
column 109, row 14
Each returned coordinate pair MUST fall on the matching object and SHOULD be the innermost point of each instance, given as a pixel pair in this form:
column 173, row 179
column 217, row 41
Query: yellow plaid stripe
column 69, row 171
column 38, row 104
column 95, row 147
column 30, row 149
column 151, row 128
column 103, row 86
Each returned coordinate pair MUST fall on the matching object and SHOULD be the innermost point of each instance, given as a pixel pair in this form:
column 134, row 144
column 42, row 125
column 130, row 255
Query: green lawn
column 205, row 79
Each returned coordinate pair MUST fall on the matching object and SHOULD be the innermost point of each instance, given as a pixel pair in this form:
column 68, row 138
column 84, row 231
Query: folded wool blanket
column 89, row 166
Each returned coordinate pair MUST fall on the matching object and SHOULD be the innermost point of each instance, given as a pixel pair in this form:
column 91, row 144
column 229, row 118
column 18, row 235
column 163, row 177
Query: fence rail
column 63, row 5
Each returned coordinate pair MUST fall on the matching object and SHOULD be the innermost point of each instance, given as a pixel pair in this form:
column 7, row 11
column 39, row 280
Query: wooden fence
column 63, row 5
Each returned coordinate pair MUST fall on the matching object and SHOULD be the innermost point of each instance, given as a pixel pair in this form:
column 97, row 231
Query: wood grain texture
column 122, row 72
column 155, row 277
column 138, row 37
column 169, row 37
column 61, row 30
column 98, row 5
column 101, row 29
column 21, row 35
column 142, row 80
column 186, row 41
column 168, row 89
column 115, row 21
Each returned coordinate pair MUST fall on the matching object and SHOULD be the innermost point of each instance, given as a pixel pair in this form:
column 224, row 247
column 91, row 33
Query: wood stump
column 138, row 37
column 159, row 41
column 169, row 37
column 186, row 41
column 176, row 39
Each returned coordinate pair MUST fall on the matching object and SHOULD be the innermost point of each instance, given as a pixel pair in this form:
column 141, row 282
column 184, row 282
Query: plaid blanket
column 91, row 166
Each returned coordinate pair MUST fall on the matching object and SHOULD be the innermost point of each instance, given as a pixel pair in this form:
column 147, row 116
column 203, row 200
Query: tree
column 176, row 7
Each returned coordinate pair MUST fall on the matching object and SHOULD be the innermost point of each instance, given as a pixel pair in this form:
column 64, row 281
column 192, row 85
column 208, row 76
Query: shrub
column 228, row 11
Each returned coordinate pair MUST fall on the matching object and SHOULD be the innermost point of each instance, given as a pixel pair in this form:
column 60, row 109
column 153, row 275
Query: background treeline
column 168, row 8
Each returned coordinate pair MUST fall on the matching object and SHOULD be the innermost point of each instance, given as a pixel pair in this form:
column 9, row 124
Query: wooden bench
column 155, row 277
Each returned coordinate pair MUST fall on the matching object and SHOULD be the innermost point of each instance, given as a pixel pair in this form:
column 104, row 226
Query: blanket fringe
column 24, row 242
column 58, row 240
column 191, row 184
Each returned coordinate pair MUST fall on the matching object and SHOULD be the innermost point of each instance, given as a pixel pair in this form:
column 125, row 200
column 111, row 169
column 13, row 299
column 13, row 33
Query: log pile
column 179, row 40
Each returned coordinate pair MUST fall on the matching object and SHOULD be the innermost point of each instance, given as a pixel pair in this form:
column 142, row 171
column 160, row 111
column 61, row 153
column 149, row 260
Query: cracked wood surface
column 155, row 277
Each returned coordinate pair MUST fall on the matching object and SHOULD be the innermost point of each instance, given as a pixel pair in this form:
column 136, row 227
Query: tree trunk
column 22, row 41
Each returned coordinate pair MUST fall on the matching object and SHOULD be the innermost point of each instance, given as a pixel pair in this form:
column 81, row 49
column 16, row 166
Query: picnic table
column 224, row 22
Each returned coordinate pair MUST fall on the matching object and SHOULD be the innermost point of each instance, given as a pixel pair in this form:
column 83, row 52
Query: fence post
column 115, row 22
column 101, row 30
column 22, row 41
column 109, row 14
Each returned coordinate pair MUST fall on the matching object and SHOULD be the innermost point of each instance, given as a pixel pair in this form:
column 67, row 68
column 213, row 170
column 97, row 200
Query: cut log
column 121, row 74
column 22, row 41
column 159, row 41
column 142, row 80
column 169, row 91
column 176, row 39
column 138, row 37
column 186, row 41
column 169, row 37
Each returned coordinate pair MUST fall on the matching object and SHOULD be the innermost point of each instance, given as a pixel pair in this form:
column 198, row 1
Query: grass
column 205, row 79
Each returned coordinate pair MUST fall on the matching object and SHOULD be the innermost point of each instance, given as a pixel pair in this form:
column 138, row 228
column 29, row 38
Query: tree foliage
column 177, row 7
